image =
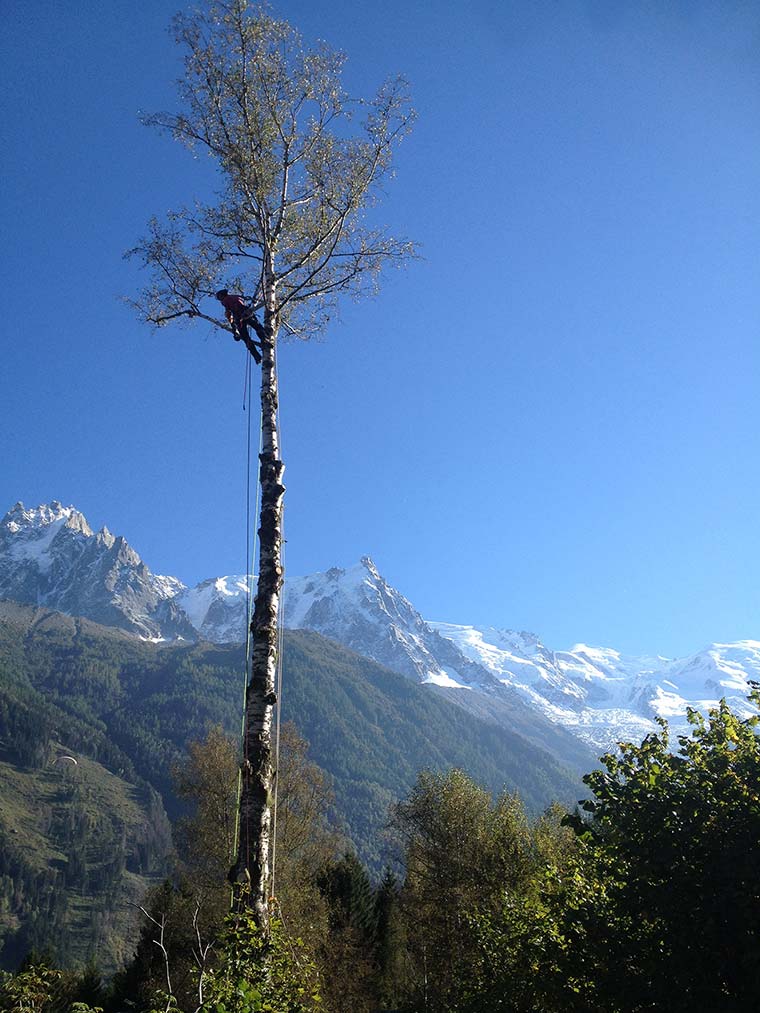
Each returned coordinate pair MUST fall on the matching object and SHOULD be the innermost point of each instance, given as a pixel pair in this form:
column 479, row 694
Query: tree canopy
column 300, row 163
column 658, row 907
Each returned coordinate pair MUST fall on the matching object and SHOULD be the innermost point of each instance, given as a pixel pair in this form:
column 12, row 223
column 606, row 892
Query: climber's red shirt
column 234, row 306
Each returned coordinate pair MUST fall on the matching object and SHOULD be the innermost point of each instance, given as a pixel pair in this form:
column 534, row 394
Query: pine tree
column 289, row 227
column 391, row 941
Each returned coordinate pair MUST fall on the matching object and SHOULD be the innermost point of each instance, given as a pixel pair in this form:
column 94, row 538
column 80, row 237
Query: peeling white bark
column 254, row 846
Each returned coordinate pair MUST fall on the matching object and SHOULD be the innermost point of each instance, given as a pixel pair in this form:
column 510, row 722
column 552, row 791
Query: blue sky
column 550, row 422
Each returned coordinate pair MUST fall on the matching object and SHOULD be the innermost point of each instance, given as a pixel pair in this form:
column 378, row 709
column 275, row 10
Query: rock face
column 354, row 606
column 50, row 556
column 359, row 609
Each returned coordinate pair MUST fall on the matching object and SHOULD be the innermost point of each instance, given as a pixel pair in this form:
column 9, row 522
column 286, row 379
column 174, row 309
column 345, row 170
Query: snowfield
column 603, row 696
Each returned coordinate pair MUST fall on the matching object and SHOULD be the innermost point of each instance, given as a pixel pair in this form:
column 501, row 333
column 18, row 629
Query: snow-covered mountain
column 217, row 607
column 50, row 556
column 356, row 607
column 603, row 696
column 596, row 693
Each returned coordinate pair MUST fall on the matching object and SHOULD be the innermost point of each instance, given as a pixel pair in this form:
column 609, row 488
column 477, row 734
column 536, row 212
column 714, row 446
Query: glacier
column 604, row 697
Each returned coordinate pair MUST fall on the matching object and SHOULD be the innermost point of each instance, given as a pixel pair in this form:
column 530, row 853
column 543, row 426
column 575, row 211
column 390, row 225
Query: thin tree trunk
column 254, row 844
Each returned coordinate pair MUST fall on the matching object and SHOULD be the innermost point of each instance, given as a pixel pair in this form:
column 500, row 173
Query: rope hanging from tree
column 278, row 690
column 250, row 559
column 250, row 556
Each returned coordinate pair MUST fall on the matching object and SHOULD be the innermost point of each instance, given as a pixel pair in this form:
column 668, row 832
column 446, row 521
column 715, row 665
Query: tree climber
column 239, row 314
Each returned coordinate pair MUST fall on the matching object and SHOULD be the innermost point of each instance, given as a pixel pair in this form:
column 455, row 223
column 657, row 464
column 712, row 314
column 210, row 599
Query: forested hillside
column 123, row 709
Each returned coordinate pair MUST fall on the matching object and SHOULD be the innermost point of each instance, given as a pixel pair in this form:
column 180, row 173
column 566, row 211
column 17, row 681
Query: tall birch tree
column 300, row 164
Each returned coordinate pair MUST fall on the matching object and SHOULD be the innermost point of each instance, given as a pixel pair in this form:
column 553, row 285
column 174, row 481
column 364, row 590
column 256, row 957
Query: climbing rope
column 250, row 557
column 278, row 690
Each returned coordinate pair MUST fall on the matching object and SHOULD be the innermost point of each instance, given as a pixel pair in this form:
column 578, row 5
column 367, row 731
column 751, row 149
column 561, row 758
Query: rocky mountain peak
column 370, row 567
column 35, row 522
column 49, row 555
column 106, row 537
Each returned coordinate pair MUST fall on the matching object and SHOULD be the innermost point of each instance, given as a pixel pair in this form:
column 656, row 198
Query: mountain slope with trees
column 50, row 557
column 645, row 899
column 125, row 709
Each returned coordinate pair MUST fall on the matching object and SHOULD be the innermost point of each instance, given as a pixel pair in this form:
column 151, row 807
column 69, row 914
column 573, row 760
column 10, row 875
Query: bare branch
column 161, row 926
column 200, row 954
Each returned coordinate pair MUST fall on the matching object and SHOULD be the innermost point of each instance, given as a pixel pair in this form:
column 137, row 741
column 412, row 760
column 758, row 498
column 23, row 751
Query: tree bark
column 250, row 872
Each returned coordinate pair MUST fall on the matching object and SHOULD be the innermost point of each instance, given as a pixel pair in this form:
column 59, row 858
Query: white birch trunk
column 254, row 846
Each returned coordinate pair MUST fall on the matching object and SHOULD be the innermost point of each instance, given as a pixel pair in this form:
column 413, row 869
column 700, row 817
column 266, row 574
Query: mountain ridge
column 133, row 705
column 50, row 556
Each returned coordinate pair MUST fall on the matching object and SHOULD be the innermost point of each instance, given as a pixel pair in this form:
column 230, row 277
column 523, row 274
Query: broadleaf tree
column 300, row 165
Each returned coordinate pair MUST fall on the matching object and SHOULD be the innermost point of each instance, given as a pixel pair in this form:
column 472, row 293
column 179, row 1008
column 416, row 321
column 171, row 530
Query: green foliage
column 270, row 974
column 464, row 852
column 136, row 985
column 39, row 988
column 252, row 973
column 362, row 939
column 677, row 838
column 658, row 906
column 207, row 780
column 390, row 942
column 348, row 890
